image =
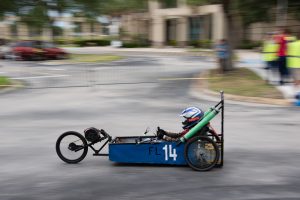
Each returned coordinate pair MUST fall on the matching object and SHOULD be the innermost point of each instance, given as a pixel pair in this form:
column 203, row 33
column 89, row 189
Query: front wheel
column 71, row 147
column 201, row 153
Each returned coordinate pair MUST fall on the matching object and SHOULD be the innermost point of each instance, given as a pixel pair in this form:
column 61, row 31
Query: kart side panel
column 147, row 153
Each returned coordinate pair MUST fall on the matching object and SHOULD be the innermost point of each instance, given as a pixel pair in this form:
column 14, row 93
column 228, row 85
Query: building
column 66, row 27
column 174, row 22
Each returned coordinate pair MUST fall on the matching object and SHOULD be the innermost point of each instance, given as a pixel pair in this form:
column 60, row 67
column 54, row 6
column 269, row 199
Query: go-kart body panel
column 139, row 150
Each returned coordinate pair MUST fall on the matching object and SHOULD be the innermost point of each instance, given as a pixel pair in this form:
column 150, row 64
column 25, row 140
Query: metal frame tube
column 200, row 125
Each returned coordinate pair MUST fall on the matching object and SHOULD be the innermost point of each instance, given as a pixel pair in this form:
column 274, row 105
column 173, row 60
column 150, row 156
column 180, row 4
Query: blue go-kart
column 201, row 148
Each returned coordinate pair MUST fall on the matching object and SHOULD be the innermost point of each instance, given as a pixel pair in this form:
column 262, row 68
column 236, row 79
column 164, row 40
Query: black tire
column 203, row 157
column 81, row 147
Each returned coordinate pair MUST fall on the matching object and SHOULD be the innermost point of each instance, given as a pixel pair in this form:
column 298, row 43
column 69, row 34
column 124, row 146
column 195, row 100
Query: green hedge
column 247, row 44
column 134, row 44
column 172, row 43
column 91, row 42
column 207, row 44
column 61, row 41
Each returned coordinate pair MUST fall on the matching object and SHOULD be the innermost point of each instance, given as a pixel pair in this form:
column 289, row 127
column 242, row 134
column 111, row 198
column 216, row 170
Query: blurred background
column 124, row 65
column 178, row 23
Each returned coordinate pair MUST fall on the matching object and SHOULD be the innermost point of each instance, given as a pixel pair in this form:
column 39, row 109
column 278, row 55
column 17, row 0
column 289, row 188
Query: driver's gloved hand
column 160, row 133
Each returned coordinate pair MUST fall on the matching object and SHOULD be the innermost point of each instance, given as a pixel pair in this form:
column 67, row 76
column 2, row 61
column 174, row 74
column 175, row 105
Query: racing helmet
column 192, row 116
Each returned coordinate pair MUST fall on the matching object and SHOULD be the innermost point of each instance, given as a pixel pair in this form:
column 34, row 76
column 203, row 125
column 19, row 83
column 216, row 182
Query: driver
column 192, row 115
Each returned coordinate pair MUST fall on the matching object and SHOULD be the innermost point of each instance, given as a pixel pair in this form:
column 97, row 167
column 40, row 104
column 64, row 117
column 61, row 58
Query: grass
column 242, row 82
column 4, row 82
column 67, row 45
column 93, row 58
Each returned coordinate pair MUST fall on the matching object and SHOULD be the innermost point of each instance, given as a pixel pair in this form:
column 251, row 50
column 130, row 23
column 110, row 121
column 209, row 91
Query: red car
column 53, row 52
column 24, row 50
column 34, row 50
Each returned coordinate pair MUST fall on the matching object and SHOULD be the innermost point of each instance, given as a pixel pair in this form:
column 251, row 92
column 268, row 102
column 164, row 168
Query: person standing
column 269, row 52
column 293, row 62
column 283, row 39
column 222, row 50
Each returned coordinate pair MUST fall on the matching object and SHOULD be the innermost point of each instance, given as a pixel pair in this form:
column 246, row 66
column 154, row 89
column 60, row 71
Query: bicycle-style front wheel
column 71, row 147
column 201, row 153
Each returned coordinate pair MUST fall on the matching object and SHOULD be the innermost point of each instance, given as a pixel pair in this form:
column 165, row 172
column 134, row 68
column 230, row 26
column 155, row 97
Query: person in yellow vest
column 293, row 61
column 269, row 53
column 283, row 39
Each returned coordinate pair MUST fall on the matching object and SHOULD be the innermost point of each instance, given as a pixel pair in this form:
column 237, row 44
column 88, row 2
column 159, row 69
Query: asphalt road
column 262, row 148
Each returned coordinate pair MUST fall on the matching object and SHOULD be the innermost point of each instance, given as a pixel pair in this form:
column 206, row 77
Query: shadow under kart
column 201, row 150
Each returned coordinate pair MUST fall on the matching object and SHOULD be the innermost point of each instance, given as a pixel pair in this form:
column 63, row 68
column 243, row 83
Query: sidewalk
column 253, row 61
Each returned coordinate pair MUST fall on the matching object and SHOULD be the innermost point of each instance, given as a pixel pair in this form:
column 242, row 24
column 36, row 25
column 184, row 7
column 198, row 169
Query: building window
column 105, row 30
column 194, row 28
column 78, row 27
column 57, row 31
column 169, row 4
column 14, row 30
column 210, row 27
column 34, row 32
column 171, row 26
column 92, row 27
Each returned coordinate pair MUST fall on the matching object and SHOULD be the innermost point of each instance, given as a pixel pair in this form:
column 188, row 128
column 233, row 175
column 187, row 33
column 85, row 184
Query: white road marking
column 37, row 77
column 53, row 63
column 179, row 79
column 56, row 69
column 2, row 72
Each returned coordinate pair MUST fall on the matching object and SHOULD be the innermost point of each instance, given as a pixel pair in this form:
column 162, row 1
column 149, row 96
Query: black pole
column 222, row 129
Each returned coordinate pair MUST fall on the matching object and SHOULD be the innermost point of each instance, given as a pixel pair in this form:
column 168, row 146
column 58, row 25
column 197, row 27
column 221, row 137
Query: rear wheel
column 71, row 147
column 201, row 153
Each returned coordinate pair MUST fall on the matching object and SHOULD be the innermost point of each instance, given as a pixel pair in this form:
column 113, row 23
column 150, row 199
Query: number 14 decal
column 169, row 153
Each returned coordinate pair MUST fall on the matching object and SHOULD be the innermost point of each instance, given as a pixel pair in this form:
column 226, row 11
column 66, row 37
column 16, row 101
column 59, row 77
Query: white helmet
column 192, row 116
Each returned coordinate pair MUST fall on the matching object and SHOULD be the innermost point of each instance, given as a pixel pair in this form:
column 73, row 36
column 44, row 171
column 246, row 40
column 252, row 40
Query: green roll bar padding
column 207, row 112
column 209, row 116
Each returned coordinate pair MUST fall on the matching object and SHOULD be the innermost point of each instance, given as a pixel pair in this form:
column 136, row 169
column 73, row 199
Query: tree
column 249, row 11
column 229, row 23
column 95, row 8
column 7, row 6
column 35, row 13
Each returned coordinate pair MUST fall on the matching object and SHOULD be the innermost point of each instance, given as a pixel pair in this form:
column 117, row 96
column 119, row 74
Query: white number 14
column 169, row 153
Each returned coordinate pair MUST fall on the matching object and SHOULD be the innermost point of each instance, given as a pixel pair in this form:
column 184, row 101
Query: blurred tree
column 228, row 9
column 252, row 11
column 35, row 13
column 36, row 17
column 248, row 11
column 294, row 8
column 94, row 8
column 7, row 6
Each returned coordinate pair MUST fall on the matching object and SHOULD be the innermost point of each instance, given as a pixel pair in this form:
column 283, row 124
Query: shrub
column 134, row 45
column 91, row 42
column 207, row 44
column 136, row 41
column 61, row 41
column 172, row 43
column 248, row 44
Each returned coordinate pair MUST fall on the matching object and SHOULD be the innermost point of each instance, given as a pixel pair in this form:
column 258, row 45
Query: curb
column 161, row 51
column 49, row 63
column 199, row 89
column 206, row 54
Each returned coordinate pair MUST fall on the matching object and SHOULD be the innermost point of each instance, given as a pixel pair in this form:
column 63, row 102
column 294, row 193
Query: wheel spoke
column 71, row 147
column 201, row 153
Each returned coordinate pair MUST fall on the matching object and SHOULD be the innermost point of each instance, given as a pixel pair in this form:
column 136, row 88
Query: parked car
column 4, row 48
column 53, row 52
column 24, row 50
column 33, row 50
